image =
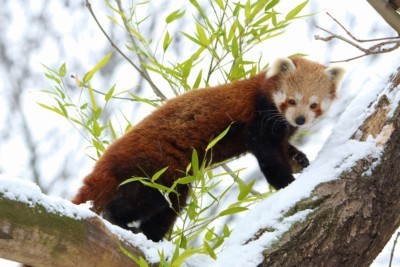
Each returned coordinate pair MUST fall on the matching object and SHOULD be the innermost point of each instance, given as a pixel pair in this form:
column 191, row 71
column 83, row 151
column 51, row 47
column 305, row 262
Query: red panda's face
column 300, row 109
column 305, row 89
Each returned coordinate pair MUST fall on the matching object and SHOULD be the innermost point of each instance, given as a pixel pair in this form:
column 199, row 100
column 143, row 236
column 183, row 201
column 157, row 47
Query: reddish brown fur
column 167, row 137
column 157, row 141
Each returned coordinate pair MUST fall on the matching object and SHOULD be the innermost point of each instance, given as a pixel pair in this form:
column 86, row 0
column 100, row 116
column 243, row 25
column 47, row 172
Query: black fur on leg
column 268, row 140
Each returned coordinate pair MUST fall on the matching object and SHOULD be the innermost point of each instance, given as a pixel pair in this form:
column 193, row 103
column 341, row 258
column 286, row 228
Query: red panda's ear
column 281, row 65
column 335, row 74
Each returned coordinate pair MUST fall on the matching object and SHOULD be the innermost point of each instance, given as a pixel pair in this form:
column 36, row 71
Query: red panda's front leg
column 268, row 141
column 275, row 165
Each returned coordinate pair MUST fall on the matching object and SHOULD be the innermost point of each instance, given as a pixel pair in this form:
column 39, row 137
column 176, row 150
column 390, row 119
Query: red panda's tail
column 97, row 187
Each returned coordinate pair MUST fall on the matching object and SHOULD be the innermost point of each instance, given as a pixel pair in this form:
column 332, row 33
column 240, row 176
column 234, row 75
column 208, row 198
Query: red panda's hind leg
column 138, row 208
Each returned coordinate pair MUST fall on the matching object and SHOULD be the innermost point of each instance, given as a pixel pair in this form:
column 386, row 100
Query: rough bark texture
column 34, row 236
column 387, row 10
column 356, row 215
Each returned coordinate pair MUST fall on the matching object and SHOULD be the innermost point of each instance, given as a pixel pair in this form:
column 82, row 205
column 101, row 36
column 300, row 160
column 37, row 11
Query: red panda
column 264, row 111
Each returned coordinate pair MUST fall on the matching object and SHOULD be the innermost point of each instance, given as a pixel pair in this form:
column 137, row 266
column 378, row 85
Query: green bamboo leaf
column 273, row 18
column 247, row 10
column 110, row 93
column 292, row 14
column 218, row 138
column 62, row 108
column 186, row 180
column 62, row 70
column 220, row 3
column 52, row 77
column 198, row 79
column 112, row 19
column 96, row 68
column 194, row 40
column 235, row 47
column 177, row 14
column 96, row 128
column 144, row 100
column 201, row 34
column 130, row 180
column 98, row 145
column 231, row 211
column 167, row 41
column 111, row 128
column 128, row 254
column 137, row 34
column 226, row 231
column 54, row 109
column 158, row 174
column 143, row 262
column 209, row 250
column 50, row 70
column 186, row 68
column 180, row 258
column 195, row 163
column 210, row 234
column 271, row 4
column 245, row 189
column 92, row 98
column 257, row 8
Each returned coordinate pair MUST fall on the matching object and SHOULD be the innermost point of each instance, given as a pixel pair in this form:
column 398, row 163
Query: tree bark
column 35, row 236
column 387, row 10
column 354, row 216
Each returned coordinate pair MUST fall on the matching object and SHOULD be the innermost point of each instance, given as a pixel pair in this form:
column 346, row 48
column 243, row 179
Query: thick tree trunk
column 37, row 237
column 354, row 216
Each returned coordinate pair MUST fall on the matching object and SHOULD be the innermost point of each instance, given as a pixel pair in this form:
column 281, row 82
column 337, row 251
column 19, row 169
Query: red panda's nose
column 300, row 120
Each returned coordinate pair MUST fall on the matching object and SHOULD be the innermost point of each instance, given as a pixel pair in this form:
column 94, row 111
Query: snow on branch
column 39, row 230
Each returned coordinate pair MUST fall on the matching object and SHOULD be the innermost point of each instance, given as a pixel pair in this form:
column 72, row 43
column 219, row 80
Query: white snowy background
column 71, row 36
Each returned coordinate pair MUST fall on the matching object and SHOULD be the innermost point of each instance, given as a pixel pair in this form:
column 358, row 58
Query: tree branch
column 378, row 48
column 34, row 236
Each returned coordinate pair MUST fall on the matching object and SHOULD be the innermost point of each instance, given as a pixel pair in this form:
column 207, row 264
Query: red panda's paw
column 301, row 159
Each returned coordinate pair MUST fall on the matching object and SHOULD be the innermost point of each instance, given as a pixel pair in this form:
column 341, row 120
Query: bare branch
column 379, row 48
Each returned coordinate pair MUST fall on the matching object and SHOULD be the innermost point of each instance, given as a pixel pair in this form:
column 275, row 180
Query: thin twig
column 138, row 69
column 356, row 39
column 378, row 48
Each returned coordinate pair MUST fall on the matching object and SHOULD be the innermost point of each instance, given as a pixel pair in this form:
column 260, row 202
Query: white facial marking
column 313, row 99
column 325, row 104
column 298, row 97
column 278, row 97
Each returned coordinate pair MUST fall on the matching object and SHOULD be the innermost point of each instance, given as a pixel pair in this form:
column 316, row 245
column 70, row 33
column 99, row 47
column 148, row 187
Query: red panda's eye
column 292, row 102
column 313, row 105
